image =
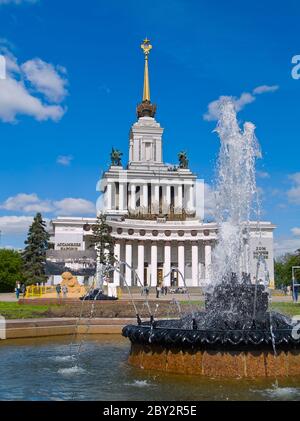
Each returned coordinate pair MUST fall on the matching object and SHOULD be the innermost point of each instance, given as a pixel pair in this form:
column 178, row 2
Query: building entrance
column 174, row 277
column 145, row 276
column 160, row 276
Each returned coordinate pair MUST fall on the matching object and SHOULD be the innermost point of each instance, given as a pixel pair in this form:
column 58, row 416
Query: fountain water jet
column 236, row 335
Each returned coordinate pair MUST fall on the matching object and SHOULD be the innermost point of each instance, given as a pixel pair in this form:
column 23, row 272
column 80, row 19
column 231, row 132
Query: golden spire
column 146, row 47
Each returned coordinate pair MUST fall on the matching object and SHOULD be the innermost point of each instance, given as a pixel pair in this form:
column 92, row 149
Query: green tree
column 10, row 270
column 104, row 246
column 34, row 255
column 283, row 268
column 103, row 241
column 279, row 270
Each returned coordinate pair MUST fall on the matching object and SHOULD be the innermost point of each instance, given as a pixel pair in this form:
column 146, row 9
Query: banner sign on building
column 78, row 262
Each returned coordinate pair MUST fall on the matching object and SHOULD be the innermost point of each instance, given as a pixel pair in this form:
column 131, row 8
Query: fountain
column 236, row 335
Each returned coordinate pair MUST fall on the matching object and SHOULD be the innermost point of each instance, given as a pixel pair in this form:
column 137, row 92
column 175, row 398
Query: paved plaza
column 195, row 296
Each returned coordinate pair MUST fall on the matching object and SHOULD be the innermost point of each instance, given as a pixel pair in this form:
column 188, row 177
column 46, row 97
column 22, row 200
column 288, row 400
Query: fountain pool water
column 39, row 369
column 236, row 335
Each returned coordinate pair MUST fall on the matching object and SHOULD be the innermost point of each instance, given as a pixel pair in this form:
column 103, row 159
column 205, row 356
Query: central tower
column 150, row 205
column 145, row 145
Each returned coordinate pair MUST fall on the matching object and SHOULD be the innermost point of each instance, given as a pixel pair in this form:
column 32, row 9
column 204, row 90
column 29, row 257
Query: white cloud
column 264, row 89
column 64, row 159
column 263, row 174
column 100, row 204
column 286, row 245
column 295, row 177
column 31, row 203
column 72, row 206
column 209, row 201
column 34, row 88
column 214, row 107
column 295, row 231
column 294, row 193
column 243, row 100
column 17, row 1
column 213, row 112
column 16, row 99
column 15, row 224
column 48, row 79
column 26, row 203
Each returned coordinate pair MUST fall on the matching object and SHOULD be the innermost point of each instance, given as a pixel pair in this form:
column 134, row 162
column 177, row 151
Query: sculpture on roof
column 183, row 160
column 115, row 157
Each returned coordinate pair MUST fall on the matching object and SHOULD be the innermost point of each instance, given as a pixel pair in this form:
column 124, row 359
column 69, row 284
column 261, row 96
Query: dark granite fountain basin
column 236, row 322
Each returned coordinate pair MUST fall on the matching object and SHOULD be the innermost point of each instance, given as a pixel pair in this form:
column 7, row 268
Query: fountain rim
column 174, row 337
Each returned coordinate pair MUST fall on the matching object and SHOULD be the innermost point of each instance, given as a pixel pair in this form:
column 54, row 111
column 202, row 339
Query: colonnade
column 165, row 266
column 123, row 196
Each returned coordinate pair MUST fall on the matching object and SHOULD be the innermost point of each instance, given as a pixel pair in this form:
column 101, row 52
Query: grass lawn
column 13, row 310
column 292, row 309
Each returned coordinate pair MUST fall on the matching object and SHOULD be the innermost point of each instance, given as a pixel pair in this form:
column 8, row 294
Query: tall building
column 156, row 212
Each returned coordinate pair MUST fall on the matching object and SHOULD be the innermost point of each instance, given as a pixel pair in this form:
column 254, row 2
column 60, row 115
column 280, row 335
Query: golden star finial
column 146, row 46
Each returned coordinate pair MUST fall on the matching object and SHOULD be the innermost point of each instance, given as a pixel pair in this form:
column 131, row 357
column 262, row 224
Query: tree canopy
column 283, row 268
column 103, row 241
column 10, row 270
column 34, row 255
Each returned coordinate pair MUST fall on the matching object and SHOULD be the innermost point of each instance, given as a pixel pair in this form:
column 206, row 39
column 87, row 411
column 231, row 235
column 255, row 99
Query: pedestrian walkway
column 8, row 297
column 11, row 297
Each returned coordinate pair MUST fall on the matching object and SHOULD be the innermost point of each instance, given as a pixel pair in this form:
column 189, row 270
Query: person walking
column 17, row 291
column 58, row 290
column 23, row 290
column 157, row 290
column 64, row 291
column 295, row 291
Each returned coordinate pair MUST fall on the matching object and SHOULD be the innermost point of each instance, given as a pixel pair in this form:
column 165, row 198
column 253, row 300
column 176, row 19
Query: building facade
column 156, row 213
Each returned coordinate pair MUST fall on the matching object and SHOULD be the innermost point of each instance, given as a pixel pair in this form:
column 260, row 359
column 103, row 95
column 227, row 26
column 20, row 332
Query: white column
column 121, row 196
column 117, row 254
column 181, row 263
column 192, row 192
column 156, row 197
column 153, row 281
column 128, row 260
column 195, row 266
column 179, row 203
column 167, row 263
column 132, row 199
column 190, row 199
column 167, row 197
column 108, row 196
column 141, row 261
column 207, row 253
column 144, row 201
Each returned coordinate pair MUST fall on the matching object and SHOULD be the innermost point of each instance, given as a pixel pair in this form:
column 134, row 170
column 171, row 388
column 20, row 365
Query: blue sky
column 75, row 76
